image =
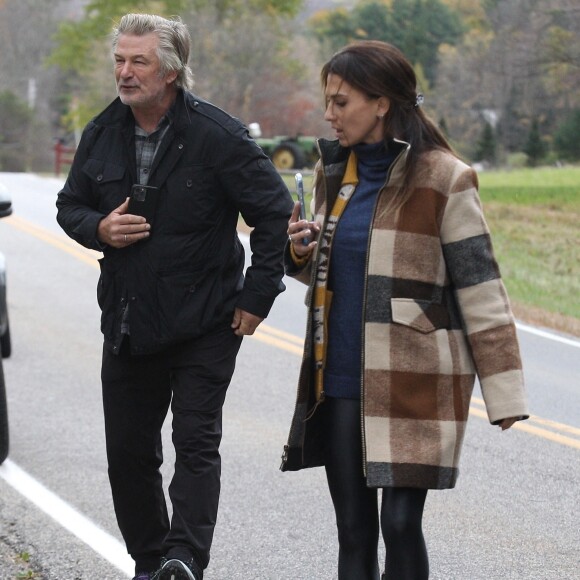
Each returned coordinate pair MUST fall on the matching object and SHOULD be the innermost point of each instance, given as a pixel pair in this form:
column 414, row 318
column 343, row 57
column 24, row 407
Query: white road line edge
column 68, row 517
column 549, row 335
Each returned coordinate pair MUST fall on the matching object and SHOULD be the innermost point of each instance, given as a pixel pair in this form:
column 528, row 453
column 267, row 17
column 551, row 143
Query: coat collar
column 333, row 166
column 120, row 116
column 331, row 151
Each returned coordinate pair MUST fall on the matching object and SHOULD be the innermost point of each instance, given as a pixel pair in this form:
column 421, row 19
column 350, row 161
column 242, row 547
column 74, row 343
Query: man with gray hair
column 158, row 182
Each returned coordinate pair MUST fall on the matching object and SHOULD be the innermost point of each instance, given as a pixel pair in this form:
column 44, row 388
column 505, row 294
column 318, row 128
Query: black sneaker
column 175, row 569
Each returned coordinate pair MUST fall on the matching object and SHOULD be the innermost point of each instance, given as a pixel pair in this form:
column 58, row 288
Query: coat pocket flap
column 103, row 172
column 421, row 315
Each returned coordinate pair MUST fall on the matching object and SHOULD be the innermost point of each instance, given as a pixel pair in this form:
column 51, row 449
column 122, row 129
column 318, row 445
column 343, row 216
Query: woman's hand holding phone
column 300, row 230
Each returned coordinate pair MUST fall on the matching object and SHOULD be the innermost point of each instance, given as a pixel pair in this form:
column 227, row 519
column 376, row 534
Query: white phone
column 300, row 194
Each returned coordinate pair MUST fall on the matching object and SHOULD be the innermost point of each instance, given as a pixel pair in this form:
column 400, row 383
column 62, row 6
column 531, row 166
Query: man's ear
column 170, row 77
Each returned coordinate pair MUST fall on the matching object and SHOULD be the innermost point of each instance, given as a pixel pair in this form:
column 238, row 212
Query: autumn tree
column 251, row 67
column 560, row 53
column 242, row 55
column 520, row 60
column 417, row 27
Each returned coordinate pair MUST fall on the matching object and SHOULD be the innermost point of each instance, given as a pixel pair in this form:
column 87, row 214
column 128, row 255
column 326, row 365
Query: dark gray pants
column 193, row 376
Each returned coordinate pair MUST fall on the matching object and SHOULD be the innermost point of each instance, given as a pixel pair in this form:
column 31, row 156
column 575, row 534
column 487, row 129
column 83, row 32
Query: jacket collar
column 331, row 151
column 334, row 158
column 119, row 115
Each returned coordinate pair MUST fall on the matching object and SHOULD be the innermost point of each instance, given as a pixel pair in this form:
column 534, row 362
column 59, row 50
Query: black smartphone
column 300, row 194
column 143, row 201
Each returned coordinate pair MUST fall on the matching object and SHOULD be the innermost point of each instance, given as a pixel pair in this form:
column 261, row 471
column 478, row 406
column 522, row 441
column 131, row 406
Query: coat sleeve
column 76, row 204
column 483, row 301
column 261, row 196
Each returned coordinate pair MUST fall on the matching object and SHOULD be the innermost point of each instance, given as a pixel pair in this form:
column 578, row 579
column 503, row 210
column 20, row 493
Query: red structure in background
column 62, row 156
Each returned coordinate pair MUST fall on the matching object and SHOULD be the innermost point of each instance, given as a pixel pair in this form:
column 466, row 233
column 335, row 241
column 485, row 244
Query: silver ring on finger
column 125, row 238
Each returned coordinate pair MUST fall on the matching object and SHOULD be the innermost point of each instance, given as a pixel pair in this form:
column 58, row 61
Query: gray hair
column 174, row 43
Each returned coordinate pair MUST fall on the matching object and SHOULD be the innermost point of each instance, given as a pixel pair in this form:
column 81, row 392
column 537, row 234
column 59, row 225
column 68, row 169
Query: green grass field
column 534, row 217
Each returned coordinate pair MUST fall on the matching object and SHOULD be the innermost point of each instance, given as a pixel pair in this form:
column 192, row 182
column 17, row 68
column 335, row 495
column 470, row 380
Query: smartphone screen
column 300, row 194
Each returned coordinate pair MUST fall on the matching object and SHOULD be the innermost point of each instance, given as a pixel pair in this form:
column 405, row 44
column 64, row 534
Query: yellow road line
column 532, row 429
column 277, row 342
column 60, row 242
column 547, row 423
column 293, row 344
column 282, row 334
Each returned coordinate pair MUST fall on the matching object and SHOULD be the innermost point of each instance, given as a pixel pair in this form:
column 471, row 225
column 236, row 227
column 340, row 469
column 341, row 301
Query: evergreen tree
column 566, row 139
column 486, row 146
column 535, row 148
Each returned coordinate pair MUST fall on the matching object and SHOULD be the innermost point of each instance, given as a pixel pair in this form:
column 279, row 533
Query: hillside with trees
column 502, row 78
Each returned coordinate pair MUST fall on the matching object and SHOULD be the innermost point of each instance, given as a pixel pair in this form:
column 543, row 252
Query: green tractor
column 287, row 152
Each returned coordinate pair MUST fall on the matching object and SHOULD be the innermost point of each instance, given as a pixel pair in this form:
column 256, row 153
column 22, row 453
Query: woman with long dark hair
column 406, row 307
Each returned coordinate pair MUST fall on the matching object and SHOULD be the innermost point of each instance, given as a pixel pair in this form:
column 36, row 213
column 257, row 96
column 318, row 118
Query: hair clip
column 419, row 100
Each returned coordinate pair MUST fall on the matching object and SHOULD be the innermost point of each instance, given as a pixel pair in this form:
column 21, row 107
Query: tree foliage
column 486, row 147
column 496, row 61
column 15, row 119
column 566, row 140
column 520, row 61
column 534, row 148
column 75, row 40
column 241, row 56
column 417, row 27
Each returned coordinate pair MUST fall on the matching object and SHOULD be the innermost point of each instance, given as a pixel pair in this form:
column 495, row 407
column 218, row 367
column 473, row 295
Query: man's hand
column 245, row 323
column 121, row 229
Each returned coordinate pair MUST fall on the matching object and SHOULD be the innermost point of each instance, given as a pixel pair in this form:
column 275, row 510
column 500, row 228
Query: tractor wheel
column 288, row 156
column 3, row 417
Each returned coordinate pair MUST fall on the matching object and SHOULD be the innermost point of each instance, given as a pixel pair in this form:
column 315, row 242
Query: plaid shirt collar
column 147, row 145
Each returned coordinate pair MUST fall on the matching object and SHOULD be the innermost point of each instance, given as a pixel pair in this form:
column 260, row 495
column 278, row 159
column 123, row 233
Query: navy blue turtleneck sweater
column 342, row 374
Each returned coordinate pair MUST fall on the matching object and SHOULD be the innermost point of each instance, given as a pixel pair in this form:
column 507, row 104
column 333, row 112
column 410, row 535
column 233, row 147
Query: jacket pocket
column 421, row 315
column 188, row 302
column 107, row 296
column 102, row 172
column 106, row 181
column 193, row 199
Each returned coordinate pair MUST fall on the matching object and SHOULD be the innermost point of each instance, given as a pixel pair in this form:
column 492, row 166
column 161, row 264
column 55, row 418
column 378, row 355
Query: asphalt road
column 513, row 514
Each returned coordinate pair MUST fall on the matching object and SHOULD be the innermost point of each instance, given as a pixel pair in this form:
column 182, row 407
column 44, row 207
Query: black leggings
column 356, row 506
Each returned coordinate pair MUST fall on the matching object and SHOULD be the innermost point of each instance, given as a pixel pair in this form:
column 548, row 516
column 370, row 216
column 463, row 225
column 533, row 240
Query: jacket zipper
column 364, row 307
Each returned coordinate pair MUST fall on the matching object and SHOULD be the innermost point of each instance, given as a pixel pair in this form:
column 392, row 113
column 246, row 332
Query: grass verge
column 534, row 217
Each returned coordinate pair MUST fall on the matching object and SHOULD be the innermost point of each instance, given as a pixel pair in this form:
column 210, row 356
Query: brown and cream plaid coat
column 436, row 315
